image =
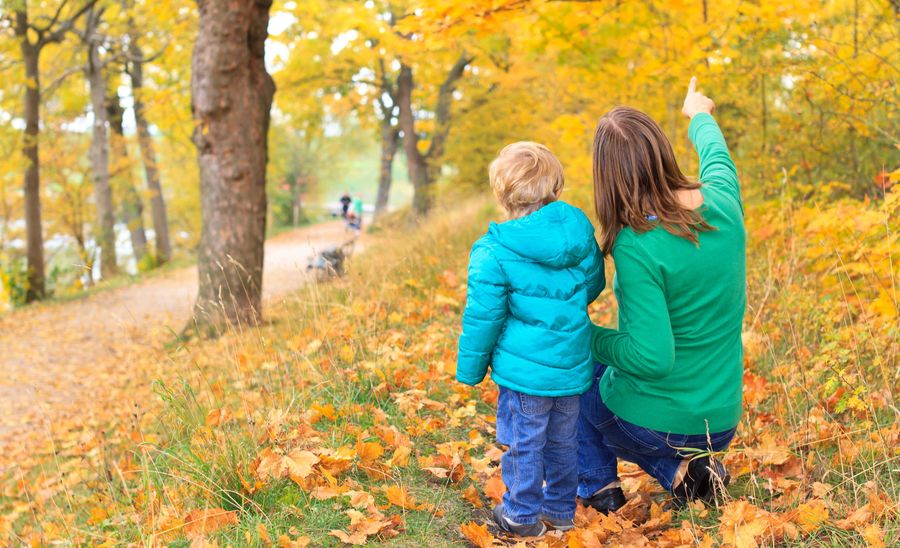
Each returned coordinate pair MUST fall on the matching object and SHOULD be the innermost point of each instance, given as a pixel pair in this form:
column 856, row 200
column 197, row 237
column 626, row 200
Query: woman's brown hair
column 636, row 176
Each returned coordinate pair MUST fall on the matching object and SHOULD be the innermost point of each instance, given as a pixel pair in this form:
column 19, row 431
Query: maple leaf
column 368, row 451
column 217, row 417
column 494, row 488
column 477, row 534
column 471, row 495
column 296, row 465
column 285, row 541
column 398, row 495
column 356, row 539
column 741, row 523
column 208, row 520
column 299, row 464
column 874, row 535
column 811, row 515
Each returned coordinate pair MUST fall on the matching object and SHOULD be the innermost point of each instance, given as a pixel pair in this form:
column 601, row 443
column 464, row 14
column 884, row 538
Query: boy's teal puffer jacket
column 530, row 281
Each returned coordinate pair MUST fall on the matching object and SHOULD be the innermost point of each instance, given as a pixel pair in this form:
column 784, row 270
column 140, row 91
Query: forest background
column 405, row 103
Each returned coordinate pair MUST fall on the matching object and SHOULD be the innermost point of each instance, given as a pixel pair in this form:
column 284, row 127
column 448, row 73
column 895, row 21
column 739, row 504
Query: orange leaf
column 399, row 496
column 494, row 488
column 218, row 417
column 357, row 539
column 811, row 515
column 471, row 495
column 368, row 451
column 299, row 464
column 477, row 534
column 200, row 522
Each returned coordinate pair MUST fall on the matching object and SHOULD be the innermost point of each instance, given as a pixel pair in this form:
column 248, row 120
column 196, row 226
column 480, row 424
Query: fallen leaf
column 471, row 495
column 209, row 520
column 477, row 534
column 811, row 515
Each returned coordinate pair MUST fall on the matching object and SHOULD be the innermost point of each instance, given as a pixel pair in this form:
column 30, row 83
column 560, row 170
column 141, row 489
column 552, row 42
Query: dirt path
column 59, row 362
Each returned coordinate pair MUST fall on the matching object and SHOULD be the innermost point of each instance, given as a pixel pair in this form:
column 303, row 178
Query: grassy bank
column 339, row 420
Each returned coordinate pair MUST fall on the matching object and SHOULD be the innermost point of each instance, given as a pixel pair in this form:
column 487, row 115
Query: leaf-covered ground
column 338, row 420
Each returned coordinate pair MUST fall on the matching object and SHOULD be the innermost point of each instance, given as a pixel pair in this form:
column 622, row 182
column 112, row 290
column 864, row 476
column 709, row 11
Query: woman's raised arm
column 716, row 166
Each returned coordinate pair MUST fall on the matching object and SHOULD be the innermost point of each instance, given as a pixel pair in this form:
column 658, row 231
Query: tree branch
column 64, row 27
column 442, row 110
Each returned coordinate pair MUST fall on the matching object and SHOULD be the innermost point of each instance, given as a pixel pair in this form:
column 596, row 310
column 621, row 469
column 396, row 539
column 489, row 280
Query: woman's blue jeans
column 603, row 437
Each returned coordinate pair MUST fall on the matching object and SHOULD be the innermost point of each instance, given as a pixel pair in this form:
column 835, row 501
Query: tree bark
column 148, row 155
column 423, row 168
column 417, row 164
column 105, row 234
column 52, row 32
column 132, row 209
column 389, row 138
column 231, row 101
column 30, row 148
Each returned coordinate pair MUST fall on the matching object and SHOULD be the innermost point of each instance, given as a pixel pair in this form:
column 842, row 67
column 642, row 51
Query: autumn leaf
column 368, row 451
column 218, row 417
column 811, row 515
column 472, row 496
column 494, row 488
column 477, row 534
column 398, row 495
column 741, row 523
column 357, row 539
column 209, row 520
column 874, row 535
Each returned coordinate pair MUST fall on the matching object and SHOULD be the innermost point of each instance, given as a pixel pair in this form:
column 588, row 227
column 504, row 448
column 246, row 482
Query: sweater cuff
column 600, row 336
column 698, row 121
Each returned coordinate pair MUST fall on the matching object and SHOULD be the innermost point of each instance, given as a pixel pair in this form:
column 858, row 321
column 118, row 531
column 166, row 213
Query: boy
column 530, row 281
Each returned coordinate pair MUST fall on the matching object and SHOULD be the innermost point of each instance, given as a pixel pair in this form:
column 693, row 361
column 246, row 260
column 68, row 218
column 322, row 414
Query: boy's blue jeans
column 541, row 435
column 602, row 437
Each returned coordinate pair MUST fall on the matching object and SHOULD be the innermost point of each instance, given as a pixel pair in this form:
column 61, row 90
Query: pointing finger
column 692, row 87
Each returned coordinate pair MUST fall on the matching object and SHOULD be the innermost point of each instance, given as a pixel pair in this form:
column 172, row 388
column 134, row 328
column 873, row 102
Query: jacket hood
column 557, row 235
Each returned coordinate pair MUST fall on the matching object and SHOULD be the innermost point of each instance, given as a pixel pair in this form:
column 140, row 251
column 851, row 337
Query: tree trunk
column 33, row 229
column 132, row 209
column 417, row 164
column 231, row 101
column 296, row 206
column 148, row 156
column 105, row 235
column 389, row 138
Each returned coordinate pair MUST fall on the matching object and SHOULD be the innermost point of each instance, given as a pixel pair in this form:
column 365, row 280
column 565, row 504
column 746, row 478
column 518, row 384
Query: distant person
column 354, row 222
column 358, row 209
column 346, row 200
column 531, row 279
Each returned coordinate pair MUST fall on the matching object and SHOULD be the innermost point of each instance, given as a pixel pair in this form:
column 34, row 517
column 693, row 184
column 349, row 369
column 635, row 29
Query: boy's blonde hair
column 526, row 176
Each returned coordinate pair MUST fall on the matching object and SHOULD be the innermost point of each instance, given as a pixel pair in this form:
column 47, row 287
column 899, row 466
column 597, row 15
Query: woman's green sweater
column 676, row 361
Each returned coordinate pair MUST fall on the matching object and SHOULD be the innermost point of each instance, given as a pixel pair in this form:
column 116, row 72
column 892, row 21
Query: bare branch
column 64, row 27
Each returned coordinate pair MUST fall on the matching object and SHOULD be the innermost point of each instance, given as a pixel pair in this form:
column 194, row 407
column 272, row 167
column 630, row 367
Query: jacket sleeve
column 647, row 347
column 716, row 166
column 596, row 274
column 483, row 318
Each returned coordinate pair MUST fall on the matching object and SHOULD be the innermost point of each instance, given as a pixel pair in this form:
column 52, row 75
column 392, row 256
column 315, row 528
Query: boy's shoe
column 504, row 522
column 704, row 478
column 606, row 500
column 558, row 524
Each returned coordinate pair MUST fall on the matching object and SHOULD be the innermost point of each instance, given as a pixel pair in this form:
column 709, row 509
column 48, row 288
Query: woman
column 670, row 381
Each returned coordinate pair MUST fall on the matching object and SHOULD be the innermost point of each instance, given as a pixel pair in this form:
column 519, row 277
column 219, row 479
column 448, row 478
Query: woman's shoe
column 703, row 478
column 504, row 522
column 606, row 500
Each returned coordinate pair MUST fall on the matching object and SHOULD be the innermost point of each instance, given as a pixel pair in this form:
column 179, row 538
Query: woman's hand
column 695, row 102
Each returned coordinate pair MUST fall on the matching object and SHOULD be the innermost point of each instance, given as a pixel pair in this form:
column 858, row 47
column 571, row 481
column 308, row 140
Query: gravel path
column 59, row 361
